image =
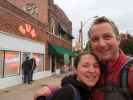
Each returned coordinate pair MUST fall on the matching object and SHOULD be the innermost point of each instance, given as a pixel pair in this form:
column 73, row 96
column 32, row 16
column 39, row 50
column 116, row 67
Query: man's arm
column 130, row 79
column 45, row 91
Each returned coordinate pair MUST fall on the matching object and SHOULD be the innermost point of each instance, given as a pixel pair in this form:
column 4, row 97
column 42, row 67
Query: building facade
column 30, row 28
column 61, row 28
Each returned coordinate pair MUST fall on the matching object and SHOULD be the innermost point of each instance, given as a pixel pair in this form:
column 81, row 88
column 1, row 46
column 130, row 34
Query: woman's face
column 88, row 70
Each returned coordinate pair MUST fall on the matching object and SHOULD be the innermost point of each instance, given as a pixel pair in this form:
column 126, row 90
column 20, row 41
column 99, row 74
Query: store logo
column 27, row 29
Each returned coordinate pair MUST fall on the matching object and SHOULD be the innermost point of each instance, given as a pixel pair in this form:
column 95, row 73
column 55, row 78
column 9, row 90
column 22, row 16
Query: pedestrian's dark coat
column 33, row 64
column 26, row 67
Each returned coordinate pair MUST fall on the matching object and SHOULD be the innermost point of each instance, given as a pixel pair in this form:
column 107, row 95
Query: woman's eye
column 84, row 66
column 96, row 65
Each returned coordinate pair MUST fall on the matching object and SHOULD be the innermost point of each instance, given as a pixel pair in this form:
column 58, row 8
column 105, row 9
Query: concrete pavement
column 25, row 91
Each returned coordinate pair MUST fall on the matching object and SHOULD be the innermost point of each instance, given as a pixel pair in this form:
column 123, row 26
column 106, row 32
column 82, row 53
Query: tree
column 127, row 45
column 88, row 47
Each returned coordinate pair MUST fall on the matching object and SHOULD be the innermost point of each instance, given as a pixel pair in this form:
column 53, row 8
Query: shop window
column 59, row 62
column 39, row 61
column 12, row 63
column 1, row 63
column 52, row 26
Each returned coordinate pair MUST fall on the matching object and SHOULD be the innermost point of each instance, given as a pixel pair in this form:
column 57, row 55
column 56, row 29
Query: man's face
column 104, row 42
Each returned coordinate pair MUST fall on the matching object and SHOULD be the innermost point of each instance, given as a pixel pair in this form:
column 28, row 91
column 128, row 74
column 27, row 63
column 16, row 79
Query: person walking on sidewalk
column 26, row 70
column 33, row 64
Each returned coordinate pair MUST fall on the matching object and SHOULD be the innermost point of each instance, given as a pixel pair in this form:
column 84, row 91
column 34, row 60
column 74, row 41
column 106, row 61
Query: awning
column 54, row 48
column 62, row 29
column 70, row 36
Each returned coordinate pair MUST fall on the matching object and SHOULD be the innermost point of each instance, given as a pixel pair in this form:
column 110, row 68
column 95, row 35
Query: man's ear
column 118, row 39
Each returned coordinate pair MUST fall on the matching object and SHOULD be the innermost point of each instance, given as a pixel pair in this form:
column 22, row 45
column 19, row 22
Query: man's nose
column 102, row 42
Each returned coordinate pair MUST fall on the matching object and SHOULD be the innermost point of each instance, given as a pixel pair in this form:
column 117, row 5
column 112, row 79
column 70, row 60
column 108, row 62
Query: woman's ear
column 74, row 70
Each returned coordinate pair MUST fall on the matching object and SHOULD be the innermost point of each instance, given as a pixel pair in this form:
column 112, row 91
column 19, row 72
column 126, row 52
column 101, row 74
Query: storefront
column 23, row 34
column 13, row 50
column 59, row 56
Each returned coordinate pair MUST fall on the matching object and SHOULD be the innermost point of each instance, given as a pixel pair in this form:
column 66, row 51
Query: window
column 52, row 25
column 1, row 63
column 39, row 61
column 12, row 63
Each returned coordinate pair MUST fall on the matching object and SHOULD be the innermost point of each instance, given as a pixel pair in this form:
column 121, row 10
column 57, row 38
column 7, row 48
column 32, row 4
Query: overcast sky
column 120, row 11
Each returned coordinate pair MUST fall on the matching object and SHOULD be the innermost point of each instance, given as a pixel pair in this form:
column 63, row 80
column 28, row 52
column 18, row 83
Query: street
column 25, row 91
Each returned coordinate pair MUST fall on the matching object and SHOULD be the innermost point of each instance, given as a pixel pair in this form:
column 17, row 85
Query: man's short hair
column 104, row 19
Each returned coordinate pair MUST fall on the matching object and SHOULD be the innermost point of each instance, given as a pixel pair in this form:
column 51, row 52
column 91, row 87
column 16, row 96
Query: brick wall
column 11, row 17
column 41, row 8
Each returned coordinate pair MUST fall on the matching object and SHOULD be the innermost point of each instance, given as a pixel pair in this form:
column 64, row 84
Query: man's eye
column 85, row 66
column 94, row 39
column 107, row 37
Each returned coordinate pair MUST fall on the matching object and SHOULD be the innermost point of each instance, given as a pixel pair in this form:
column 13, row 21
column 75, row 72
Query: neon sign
column 27, row 29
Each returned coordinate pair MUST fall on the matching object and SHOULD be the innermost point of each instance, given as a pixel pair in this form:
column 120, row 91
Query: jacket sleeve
column 65, row 93
column 130, row 79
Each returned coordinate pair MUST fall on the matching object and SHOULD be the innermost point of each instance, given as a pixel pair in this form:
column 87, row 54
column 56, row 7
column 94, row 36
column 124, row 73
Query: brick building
column 35, row 28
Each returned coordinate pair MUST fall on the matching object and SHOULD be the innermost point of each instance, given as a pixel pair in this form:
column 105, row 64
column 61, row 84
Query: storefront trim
column 19, row 44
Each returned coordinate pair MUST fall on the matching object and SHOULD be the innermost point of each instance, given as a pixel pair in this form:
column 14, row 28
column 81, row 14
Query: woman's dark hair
column 103, row 67
column 78, row 57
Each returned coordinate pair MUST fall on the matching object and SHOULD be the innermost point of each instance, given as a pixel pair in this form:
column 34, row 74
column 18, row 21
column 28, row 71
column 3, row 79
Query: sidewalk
column 25, row 91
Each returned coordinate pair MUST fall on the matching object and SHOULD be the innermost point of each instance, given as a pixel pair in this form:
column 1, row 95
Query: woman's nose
column 91, row 69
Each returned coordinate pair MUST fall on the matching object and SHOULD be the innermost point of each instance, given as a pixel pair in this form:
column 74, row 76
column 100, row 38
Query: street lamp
column 88, row 20
column 81, row 31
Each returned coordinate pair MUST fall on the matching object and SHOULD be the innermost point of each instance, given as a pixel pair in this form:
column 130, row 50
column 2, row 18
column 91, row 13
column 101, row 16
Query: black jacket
column 66, row 92
column 26, row 67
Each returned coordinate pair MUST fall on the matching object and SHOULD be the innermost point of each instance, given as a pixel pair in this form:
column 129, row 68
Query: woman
column 86, row 74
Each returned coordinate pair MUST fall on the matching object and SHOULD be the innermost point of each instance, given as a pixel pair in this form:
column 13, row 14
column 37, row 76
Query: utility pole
column 81, row 32
column 81, row 36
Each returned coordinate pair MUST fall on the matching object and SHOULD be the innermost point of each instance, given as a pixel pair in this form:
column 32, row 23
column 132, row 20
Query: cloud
column 120, row 11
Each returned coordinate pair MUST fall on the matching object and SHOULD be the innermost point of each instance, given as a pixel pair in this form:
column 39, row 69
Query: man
column 33, row 64
column 26, row 70
column 104, row 42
